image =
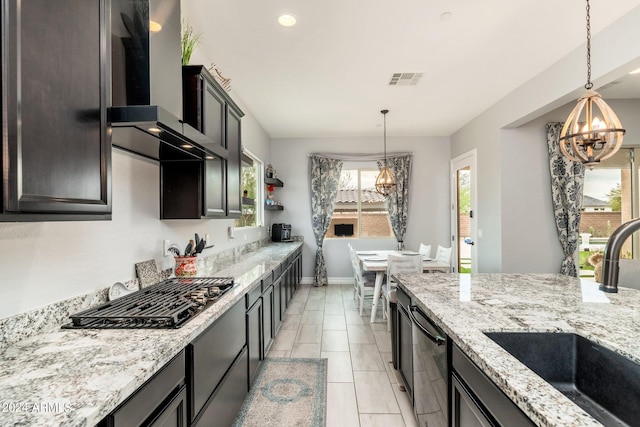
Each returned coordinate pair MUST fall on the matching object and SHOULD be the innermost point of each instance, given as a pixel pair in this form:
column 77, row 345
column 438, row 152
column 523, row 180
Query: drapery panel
column 567, row 183
column 398, row 201
column 325, row 177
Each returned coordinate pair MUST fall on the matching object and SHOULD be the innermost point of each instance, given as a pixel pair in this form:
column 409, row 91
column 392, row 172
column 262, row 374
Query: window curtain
column 567, row 183
column 398, row 201
column 325, row 176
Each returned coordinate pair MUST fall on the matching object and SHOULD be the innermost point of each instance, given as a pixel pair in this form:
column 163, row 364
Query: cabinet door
column 464, row 409
column 277, row 306
column 234, row 147
column 405, row 350
column 175, row 413
column 267, row 320
column 56, row 152
column 254, row 337
column 215, row 190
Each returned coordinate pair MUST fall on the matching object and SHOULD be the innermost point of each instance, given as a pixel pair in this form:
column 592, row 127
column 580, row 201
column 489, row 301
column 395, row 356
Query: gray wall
column 45, row 262
column 428, row 208
column 513, row 183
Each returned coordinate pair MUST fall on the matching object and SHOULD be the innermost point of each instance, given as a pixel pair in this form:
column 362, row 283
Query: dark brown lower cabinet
column 405, row 346
column 225, row 403
column 268, row 314
column 161, row 401
column 277, row 306
column 210, row 355
column 254, row 337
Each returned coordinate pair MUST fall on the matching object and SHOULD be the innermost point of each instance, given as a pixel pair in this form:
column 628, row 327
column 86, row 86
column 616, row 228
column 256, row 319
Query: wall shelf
column 273, row 207
column 274, row 181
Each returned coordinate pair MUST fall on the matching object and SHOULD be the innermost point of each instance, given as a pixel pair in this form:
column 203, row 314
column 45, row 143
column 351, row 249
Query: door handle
column 468, row 241
column 438, row 340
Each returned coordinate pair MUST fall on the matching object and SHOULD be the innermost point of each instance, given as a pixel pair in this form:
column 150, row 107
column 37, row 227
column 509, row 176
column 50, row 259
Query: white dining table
column 376, row 261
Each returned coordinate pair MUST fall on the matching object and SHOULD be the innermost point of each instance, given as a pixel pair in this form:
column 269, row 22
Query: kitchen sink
column 603, row 383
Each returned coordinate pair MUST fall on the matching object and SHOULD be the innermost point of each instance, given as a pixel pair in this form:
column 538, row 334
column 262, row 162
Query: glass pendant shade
column 592, row 132
column 385, row 182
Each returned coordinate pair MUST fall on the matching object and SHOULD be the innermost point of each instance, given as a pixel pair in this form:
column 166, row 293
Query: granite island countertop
column 76, row 377
column 465, row 306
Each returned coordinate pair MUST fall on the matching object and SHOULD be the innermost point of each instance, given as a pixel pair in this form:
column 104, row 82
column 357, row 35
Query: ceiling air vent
column 405, row 79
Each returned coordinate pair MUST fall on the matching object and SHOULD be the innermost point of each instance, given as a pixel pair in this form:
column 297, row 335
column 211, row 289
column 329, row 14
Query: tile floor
column 361, row 388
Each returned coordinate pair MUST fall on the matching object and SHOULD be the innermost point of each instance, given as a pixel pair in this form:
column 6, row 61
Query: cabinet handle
column 436, row 339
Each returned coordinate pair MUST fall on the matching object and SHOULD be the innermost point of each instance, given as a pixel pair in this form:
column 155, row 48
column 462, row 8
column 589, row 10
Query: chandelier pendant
column 385, row 182
column 592, row 132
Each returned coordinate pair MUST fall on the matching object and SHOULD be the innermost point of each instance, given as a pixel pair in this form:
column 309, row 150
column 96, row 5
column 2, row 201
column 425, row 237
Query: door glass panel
column 464, row 219
column 607, row 203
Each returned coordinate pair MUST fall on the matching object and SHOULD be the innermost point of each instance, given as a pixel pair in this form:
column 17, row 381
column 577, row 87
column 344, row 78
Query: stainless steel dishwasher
column 429, row 370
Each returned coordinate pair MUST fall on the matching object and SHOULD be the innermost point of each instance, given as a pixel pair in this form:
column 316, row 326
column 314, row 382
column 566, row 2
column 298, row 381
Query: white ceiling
column 328, row 75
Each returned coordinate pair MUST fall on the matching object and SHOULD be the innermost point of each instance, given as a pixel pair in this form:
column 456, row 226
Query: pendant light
column 385, row 182
column 588, row 137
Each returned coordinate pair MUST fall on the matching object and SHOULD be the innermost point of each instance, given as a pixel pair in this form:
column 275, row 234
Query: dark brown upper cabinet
column 56, row 148
column 209, row 109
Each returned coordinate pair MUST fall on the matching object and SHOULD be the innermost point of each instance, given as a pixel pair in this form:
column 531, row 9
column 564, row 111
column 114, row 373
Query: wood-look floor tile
column 381, row 420
column 374, row 393
column 314, row 304
column 291, row 321
column 383, row 340
column 342, row 408
column 334, row 322
column 334, row 308
column 278, row 353
column 296, row 308
column 284, row 340
column 360, row 334
column 365, row 357
column 406, row 408
column 309, row 334
column 335, row 341
column 305, row 350
column 338, row 367
column 353, row 317
column 312, row 317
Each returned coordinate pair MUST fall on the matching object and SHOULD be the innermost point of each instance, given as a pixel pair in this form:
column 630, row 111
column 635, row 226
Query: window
column 252, row 184
column 359, row 210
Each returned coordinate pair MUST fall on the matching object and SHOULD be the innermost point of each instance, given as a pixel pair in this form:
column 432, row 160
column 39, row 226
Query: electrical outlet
column 165, row 247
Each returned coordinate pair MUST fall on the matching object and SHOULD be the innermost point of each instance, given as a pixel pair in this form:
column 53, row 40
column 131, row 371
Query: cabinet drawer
column 253, row 295
column 402, row 297
column 226, row 402
column 266, row 281
column 212, row 353
column 150, row 396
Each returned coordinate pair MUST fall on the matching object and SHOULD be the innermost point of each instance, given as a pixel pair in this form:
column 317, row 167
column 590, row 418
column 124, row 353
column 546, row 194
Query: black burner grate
column 165, row 305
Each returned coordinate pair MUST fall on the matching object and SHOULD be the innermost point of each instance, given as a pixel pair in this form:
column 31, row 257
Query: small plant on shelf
column 189, row 41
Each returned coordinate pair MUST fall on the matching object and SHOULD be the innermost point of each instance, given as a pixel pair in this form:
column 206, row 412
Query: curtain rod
column 363, row 157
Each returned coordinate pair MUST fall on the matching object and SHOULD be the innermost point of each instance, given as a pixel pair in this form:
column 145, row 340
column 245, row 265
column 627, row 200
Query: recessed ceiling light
column 154, row 130
column 287, row 20
column 636, row 71
column 446, row 16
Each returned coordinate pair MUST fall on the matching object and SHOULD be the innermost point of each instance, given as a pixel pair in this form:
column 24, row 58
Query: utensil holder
column 186, row 266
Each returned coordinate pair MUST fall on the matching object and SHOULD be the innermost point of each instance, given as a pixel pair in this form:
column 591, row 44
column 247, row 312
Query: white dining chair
column 444, row 255
column 397, row 264
column 425, row 250
column 363, row 285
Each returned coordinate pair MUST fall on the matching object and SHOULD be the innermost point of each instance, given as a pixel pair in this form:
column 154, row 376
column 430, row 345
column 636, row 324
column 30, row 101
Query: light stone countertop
column 76, row 377
column 465, row 306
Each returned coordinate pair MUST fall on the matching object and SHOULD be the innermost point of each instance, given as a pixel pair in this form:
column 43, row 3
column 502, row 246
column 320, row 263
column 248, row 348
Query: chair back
column 443, row 254
column 403, row 264
column 355, row 264
column 425, row 250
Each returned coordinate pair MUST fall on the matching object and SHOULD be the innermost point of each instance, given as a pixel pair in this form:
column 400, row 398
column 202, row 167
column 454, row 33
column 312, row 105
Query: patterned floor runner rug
column 286, row 392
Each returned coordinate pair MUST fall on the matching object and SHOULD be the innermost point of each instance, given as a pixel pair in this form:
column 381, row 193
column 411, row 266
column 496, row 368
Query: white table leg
column 376, row 294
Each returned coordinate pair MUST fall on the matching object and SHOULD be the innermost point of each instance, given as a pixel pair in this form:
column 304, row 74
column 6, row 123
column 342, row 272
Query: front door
column 463, row 213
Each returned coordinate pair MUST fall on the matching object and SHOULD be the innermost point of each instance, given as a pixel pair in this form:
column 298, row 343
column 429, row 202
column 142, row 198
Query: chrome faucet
column 610, row 267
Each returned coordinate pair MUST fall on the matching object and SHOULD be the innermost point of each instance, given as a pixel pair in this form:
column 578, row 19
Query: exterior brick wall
column 600, row 224
column 373, row 224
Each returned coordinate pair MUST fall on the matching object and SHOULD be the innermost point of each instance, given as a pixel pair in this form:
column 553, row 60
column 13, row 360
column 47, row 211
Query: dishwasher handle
column 435, row 338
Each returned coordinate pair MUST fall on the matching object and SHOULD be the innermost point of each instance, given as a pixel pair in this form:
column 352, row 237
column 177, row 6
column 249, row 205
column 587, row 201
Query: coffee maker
column 281, row 232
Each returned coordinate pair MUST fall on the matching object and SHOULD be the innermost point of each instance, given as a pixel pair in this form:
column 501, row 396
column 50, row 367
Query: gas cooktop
column 165, row 305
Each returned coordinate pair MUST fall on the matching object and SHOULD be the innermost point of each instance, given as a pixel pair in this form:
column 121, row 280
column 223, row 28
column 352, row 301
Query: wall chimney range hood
column 146, row 112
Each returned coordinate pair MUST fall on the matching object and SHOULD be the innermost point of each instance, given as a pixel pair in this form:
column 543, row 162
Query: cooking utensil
column 187, row 250
column 200, row 246
column 197, row 239
column 174, row 249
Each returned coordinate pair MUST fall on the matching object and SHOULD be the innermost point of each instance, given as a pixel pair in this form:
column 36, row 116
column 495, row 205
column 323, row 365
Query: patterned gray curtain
column 325, row 176
column 567, row 182
column 398, row 201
